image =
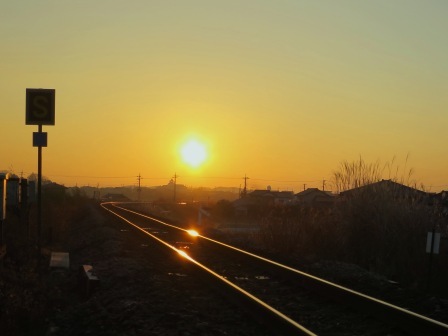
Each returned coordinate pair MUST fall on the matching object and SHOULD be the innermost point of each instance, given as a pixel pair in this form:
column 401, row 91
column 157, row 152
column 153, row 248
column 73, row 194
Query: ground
column 139, row 292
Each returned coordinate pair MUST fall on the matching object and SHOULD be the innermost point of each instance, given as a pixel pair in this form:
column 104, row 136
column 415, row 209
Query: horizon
column 282, row 92
column 301, row 186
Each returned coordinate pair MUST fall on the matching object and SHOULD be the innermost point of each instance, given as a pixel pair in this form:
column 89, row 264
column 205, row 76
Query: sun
column 193, row 153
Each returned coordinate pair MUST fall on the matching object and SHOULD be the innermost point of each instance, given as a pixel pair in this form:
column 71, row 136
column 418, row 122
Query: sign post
column 432, row 247
column 40, row 110
column 3, row 184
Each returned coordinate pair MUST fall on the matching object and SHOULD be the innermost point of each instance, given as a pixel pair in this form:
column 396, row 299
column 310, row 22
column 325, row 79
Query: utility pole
column 174, row 181
column 244, row 192
column 304, row 186
column 139, row 190
column 323, row 185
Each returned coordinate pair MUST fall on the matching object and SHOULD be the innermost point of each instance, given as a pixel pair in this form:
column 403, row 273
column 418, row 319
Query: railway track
column 287, row 300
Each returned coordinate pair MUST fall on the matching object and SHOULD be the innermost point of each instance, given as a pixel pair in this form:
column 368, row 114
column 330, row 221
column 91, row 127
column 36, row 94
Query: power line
column 185, row 176
column 285, row 181
column 213, row 177
column 96, row 177
column 139, row 178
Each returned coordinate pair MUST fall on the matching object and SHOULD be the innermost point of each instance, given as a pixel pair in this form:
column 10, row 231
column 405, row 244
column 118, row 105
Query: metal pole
column 431, row 256
column 139, row 189
column 175, row 178
column 1, row 233
column 39, row 201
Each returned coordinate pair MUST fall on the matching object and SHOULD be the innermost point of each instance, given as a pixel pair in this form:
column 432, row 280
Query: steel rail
column 412, row 322
column 278, row 320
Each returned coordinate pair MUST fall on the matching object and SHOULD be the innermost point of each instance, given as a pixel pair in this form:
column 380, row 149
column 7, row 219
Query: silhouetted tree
column 34, row 177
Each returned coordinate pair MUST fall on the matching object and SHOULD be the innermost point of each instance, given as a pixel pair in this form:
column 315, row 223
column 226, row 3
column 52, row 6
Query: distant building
column 54, row 190
column 115, row 198
column 15, row 189
column 271, row 197
column 12, row 193
column 315, row 197
column 254, row 202
column 393, row 189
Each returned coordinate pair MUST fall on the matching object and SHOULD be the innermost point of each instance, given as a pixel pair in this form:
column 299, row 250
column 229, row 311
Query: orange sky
column 282, row 91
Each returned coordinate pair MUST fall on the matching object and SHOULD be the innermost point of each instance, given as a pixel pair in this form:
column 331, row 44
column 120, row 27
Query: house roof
column 53, row 186
column 314, row 195
column 283, row 194
column 313, row 191
column 260, row 193
column 388, row 185
column 269, row 193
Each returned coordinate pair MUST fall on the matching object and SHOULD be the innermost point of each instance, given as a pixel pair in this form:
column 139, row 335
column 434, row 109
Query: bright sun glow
column 193, row 153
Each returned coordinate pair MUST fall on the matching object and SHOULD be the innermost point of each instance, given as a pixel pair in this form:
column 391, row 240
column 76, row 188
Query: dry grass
column 376, row 233
column 355, row 174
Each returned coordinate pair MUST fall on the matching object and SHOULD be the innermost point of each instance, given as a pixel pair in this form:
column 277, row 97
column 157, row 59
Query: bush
column 381, row 227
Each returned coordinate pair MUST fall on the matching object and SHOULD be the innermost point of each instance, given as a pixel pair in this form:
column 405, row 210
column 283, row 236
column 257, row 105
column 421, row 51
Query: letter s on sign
column 40, row 104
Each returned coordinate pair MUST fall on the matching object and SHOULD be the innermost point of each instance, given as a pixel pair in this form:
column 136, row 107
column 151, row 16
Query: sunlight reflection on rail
column 193, row 233
column 183, row 254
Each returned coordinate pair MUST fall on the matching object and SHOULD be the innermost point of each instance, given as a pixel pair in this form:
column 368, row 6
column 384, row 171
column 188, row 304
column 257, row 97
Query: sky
column 279, row 91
